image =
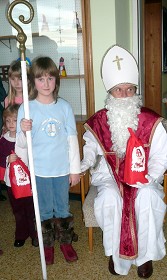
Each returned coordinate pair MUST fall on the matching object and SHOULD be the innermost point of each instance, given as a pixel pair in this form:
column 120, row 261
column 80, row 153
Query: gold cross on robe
column 117, row 60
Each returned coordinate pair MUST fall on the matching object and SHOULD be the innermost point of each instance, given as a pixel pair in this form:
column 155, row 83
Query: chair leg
column 82, row 190
column 165, row 188
column 90, row 238
column 165, row 191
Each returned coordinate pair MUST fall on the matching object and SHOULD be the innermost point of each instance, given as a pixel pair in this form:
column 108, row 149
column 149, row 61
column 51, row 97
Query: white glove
column 85, row 165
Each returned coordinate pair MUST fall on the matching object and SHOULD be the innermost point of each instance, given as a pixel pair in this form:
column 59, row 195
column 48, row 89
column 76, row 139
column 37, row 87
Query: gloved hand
column 85, row 165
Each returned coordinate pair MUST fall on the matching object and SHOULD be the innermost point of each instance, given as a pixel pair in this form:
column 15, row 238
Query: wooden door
column 153, row 54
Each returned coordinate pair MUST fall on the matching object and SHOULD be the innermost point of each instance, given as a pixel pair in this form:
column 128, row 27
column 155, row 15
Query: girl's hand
column 74, row 179
column 26, row 125
column 12, row 158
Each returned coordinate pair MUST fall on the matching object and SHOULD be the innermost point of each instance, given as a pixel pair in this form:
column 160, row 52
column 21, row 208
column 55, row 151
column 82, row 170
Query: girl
column 15, row 95
column 56, row 155
column 23, row 209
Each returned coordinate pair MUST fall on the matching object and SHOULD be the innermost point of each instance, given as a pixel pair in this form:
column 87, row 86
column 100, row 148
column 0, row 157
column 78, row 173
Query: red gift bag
column 19, row 176
column 135, row 161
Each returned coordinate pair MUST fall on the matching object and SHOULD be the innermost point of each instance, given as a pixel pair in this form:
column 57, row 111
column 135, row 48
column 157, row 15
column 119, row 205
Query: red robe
column 97, row 124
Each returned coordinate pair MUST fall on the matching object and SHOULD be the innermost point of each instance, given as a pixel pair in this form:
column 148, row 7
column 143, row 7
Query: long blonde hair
column 40, row 67
column 14, row 71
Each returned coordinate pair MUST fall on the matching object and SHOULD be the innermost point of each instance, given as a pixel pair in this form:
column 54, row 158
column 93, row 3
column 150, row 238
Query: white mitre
column 118, row 66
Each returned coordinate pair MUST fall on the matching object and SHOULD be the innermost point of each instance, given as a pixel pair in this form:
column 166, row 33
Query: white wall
column 123, row 23
column 111, row 23
column 103, row 36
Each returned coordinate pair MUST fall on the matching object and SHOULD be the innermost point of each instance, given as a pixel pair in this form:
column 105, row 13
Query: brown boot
column 48, row 240
column 64, row 232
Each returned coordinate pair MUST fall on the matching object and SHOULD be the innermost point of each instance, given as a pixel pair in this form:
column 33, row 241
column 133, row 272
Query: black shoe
column 3, row 185
column 2, row 197
column 145, row 270
column 111, row 266
column 19, row 243
column 35, row 242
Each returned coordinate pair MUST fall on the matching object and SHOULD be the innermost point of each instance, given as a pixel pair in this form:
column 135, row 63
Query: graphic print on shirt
column 51, row 127
column 138, row 159
column 22, row 178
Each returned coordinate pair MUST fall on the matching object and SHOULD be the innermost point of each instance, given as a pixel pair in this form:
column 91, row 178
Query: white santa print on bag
column 22, row 178
column 138, row 159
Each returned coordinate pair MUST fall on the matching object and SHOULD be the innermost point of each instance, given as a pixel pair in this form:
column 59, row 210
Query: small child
column 55, row 153
column 23, row 208
column 15, row 94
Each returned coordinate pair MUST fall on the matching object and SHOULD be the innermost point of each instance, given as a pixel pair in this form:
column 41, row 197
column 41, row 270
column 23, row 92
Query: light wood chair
column 165, row 189
column 88, row 208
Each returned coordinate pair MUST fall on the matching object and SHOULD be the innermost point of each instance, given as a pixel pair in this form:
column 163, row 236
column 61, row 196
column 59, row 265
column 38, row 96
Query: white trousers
column 150, row 210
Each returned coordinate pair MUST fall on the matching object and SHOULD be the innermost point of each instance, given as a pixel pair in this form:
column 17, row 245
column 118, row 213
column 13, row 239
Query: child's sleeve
column 74, row 155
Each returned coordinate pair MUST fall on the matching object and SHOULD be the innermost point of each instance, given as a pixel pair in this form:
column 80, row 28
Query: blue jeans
column 53, row 197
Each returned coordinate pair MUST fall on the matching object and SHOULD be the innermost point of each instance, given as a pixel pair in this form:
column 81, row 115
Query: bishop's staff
column 21, row 38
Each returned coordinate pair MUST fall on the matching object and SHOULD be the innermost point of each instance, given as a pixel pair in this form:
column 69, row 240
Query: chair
column 88, row 210
column 165, row 189
column 88, row 207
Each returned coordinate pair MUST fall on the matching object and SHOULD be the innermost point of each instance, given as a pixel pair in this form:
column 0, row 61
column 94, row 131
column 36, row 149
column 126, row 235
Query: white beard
column 122, row 113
